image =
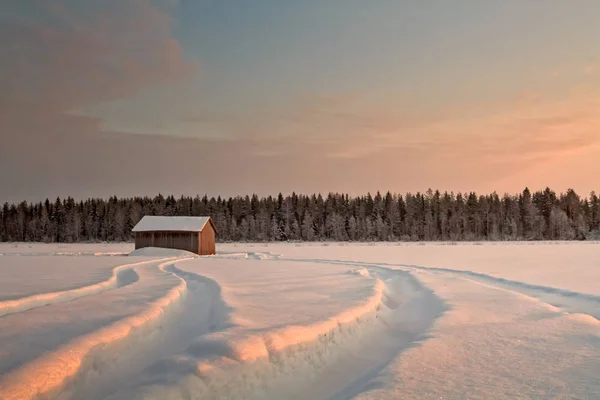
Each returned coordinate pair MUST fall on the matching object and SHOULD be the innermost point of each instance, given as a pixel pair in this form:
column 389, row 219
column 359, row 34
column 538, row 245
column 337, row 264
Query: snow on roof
column 151, row 223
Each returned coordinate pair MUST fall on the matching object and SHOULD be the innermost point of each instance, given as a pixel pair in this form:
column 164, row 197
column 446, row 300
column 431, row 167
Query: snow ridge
column 567, row 300
column 52, row 371
column 181, row 344
column 220, row 365
column 121, row 276
column 290, row 360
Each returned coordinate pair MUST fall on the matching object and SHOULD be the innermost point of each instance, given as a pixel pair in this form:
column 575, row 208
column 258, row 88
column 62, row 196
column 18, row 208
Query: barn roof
column 151, row 223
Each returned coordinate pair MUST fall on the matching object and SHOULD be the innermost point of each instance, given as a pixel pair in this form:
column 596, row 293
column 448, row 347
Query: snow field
column 65, row 249
column 334, row 321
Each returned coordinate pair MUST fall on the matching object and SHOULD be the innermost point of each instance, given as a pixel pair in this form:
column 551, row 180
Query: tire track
column 160, row 346
column 289, row 363
column 47, row 375
column 566, row 300
column 122, row 275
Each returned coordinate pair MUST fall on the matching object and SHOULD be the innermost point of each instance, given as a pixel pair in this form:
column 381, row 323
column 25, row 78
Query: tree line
column 429, row 216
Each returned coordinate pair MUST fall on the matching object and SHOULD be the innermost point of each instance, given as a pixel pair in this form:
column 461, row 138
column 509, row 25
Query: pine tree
column 428, row 216
column 308, row 232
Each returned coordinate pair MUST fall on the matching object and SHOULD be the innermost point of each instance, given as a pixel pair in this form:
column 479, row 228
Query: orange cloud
column 524, row 130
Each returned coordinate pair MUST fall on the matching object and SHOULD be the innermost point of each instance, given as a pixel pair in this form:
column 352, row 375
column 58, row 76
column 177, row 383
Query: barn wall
column 207, row 241
column 143, row 239
column 170, row 240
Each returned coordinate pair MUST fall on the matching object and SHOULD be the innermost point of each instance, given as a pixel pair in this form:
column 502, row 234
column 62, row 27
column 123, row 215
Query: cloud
column 77, row 159
column 465, row 147
column 479, row 144
column 524, row 130
column 71, row 59
column 59, row 56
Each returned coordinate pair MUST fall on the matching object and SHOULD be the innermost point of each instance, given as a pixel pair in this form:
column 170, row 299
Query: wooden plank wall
column 170, row 240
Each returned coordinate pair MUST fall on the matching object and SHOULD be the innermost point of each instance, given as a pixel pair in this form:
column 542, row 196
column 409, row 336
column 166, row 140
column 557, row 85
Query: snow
column 27, row 276
column 161, row 252
column 571, row 266
column 297, row 321
column 65, row 249
column 158, row 223
column 495, row 344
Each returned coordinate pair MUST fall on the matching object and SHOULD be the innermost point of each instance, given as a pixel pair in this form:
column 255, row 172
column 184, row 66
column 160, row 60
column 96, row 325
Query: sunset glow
column 304, row 96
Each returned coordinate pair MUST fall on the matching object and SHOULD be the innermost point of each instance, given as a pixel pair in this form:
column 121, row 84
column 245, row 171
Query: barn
column 195, row 234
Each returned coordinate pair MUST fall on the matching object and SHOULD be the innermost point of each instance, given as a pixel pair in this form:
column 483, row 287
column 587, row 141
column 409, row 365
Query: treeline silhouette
column 429, row 216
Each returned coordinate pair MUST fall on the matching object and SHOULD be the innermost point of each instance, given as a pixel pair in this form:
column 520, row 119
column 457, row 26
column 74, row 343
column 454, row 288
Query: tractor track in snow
column 150, row 353
column 62, row 372
column 211, row 368
column 566, row 300
column 122, row 275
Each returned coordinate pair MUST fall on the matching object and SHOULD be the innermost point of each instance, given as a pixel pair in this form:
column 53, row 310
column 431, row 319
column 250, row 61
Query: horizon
column 275, row 195
column 161, row 96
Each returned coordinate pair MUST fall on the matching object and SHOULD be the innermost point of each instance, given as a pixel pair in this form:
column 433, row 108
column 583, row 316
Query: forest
column 428, row 216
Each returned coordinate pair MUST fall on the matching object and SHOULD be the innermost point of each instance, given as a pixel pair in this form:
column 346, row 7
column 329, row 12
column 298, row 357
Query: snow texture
column 161, row 252
column 298, row 321
column 183, row 224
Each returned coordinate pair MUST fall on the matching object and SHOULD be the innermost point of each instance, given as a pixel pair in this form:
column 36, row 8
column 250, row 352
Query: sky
column 224, row 97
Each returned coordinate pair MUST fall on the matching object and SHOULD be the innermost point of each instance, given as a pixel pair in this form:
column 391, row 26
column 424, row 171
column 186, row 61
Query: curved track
column 122, row 275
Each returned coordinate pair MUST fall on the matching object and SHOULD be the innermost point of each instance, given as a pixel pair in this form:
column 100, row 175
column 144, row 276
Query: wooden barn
column 195, row 234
